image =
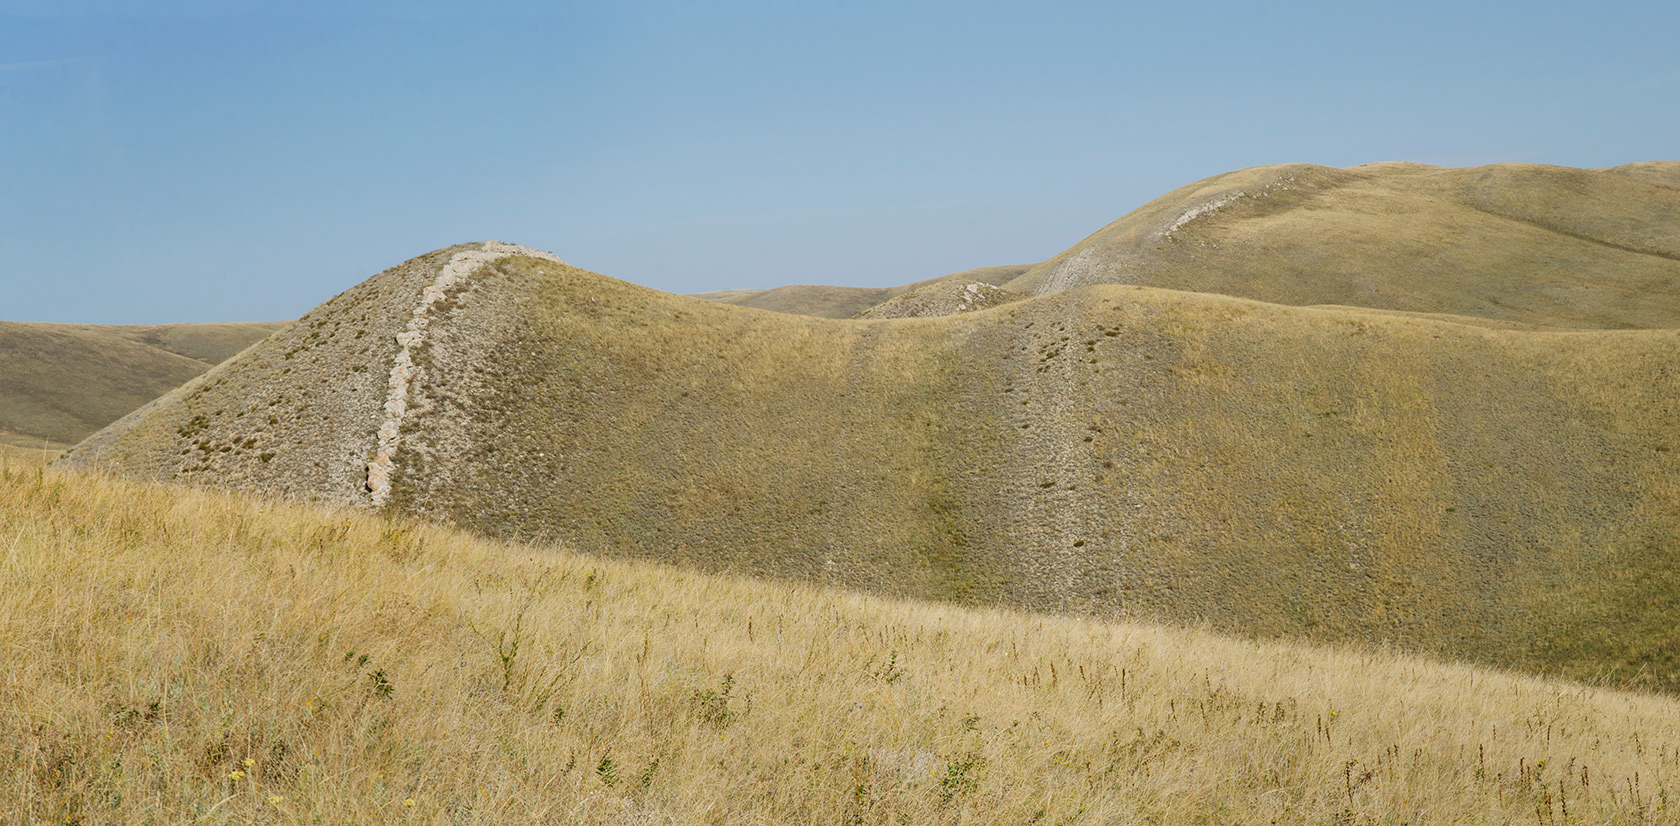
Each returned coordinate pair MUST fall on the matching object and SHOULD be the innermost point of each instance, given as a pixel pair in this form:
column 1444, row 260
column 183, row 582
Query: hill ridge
column 848, row 302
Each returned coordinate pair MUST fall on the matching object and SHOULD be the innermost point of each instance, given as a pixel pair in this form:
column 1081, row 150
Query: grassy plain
column 177, row 655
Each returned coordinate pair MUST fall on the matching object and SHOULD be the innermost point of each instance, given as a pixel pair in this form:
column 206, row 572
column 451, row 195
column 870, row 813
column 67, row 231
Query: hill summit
column 1490, row 487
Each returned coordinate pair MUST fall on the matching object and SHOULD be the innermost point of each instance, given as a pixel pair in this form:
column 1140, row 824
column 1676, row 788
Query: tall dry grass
column 178, row 656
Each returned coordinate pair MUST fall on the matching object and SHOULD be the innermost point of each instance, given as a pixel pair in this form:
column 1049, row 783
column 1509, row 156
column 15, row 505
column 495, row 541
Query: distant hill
column 1473, row 487
column 1574, row 248
column 61, row 382
column 846, row 302
column 942, row 298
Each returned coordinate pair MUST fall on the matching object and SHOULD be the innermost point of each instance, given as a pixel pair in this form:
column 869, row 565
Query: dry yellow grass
column 182, row 656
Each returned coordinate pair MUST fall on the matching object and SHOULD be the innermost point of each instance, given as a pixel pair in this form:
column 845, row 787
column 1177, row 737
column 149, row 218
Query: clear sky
column 226, row 160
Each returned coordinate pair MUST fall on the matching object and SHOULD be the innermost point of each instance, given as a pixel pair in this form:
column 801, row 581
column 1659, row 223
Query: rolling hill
column 1477, row 487
column 1575, row 248
column 60, row 383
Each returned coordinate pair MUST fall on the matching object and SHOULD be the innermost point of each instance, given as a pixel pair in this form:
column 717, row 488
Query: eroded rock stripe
column 461, row 266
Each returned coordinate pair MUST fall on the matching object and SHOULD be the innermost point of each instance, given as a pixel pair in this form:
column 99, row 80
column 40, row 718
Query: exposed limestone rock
column 462, row 265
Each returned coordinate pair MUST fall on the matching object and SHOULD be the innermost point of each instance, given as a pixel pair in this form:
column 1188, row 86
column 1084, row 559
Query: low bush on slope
column 175, row 655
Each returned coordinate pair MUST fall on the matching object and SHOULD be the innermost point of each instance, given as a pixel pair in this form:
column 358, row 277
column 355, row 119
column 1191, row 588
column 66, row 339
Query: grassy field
column 181, row 656
column 61, row 382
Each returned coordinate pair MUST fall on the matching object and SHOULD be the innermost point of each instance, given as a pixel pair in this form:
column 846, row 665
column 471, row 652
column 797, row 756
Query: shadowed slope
column 1500, row 494
column 1514, row 242
column 846, row 302
column 61, row 382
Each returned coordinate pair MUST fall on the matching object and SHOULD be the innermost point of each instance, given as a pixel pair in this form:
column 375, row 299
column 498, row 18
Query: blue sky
column 221, row 160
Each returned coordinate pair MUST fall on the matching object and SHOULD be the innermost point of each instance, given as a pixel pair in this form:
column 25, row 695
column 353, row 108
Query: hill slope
column 1597, row 249
column 192, row 657
column 61, row 382
column 845, row 302
column 1506, row 495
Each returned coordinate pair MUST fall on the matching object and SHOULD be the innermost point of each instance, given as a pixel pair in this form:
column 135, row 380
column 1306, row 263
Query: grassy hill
column 1478, row 490
column 185, row 656
column 1666, row 173
column 1596, row 249
column 61, row 382
column 845, row 302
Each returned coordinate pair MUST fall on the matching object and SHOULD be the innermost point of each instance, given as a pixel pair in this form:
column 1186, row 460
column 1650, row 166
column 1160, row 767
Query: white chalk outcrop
column 461, row 266
column 1204, row 208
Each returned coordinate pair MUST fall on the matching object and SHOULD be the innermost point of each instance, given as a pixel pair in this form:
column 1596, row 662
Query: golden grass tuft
column 182, row 656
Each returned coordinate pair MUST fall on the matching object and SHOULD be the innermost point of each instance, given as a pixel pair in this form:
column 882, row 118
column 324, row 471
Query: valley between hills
column 1346, row 423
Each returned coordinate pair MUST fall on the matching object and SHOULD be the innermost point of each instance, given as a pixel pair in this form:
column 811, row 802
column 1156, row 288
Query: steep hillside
column 180, row 656
column 1506, row 495
column 61, row 382
column 1593, row 249
column 846, row 302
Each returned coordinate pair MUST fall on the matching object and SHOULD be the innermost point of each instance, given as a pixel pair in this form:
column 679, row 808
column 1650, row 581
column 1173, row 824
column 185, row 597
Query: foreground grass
column 173, row 655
